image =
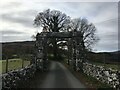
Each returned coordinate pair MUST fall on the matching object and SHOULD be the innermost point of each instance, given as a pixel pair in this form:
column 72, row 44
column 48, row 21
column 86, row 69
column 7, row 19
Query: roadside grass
column 12, row 64
column 88, row 81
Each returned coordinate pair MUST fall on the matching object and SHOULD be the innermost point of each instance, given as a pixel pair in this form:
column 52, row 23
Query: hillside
column 17, row 48
column 27, row 47
column 107, row 57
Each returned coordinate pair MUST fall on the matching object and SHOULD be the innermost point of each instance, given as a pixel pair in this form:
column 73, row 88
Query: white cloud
column 19, row 15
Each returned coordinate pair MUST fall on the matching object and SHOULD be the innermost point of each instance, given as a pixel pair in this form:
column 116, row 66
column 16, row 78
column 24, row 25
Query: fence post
column 22, row 63
column 6, row 65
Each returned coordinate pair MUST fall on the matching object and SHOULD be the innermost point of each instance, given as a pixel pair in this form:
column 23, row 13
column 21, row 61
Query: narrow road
column 60, row 77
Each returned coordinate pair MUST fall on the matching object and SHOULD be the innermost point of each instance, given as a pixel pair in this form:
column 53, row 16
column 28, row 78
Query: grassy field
column 12, row 64
column 113, row 66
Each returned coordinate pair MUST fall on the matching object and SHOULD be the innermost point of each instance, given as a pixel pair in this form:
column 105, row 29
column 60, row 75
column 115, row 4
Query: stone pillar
column 74, row 50
column 45, row 52
column 69, row 51
column 39, row 52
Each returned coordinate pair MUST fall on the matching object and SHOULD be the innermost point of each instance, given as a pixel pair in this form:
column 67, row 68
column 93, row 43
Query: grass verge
column 88, row 81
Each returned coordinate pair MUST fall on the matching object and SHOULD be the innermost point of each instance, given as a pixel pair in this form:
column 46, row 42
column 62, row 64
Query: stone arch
column 73, row 43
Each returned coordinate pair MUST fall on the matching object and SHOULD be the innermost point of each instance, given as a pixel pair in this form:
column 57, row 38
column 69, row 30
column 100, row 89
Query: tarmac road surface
column 60, row 77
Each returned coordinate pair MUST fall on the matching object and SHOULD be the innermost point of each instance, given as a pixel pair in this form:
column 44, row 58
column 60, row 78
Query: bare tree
column 87, row 34
column 55, row 21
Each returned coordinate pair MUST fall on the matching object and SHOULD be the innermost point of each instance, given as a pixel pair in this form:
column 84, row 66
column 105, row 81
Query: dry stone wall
column 109, row 76
column 17, row 78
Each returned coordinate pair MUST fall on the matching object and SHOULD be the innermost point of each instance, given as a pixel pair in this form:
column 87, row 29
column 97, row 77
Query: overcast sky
column 17, row 19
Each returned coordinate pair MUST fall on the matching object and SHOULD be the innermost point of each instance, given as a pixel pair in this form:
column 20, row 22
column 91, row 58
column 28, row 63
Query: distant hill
column 108, row 57
column 19, row 43
column 16, row 48
column 115, row 52
column 27, row 47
